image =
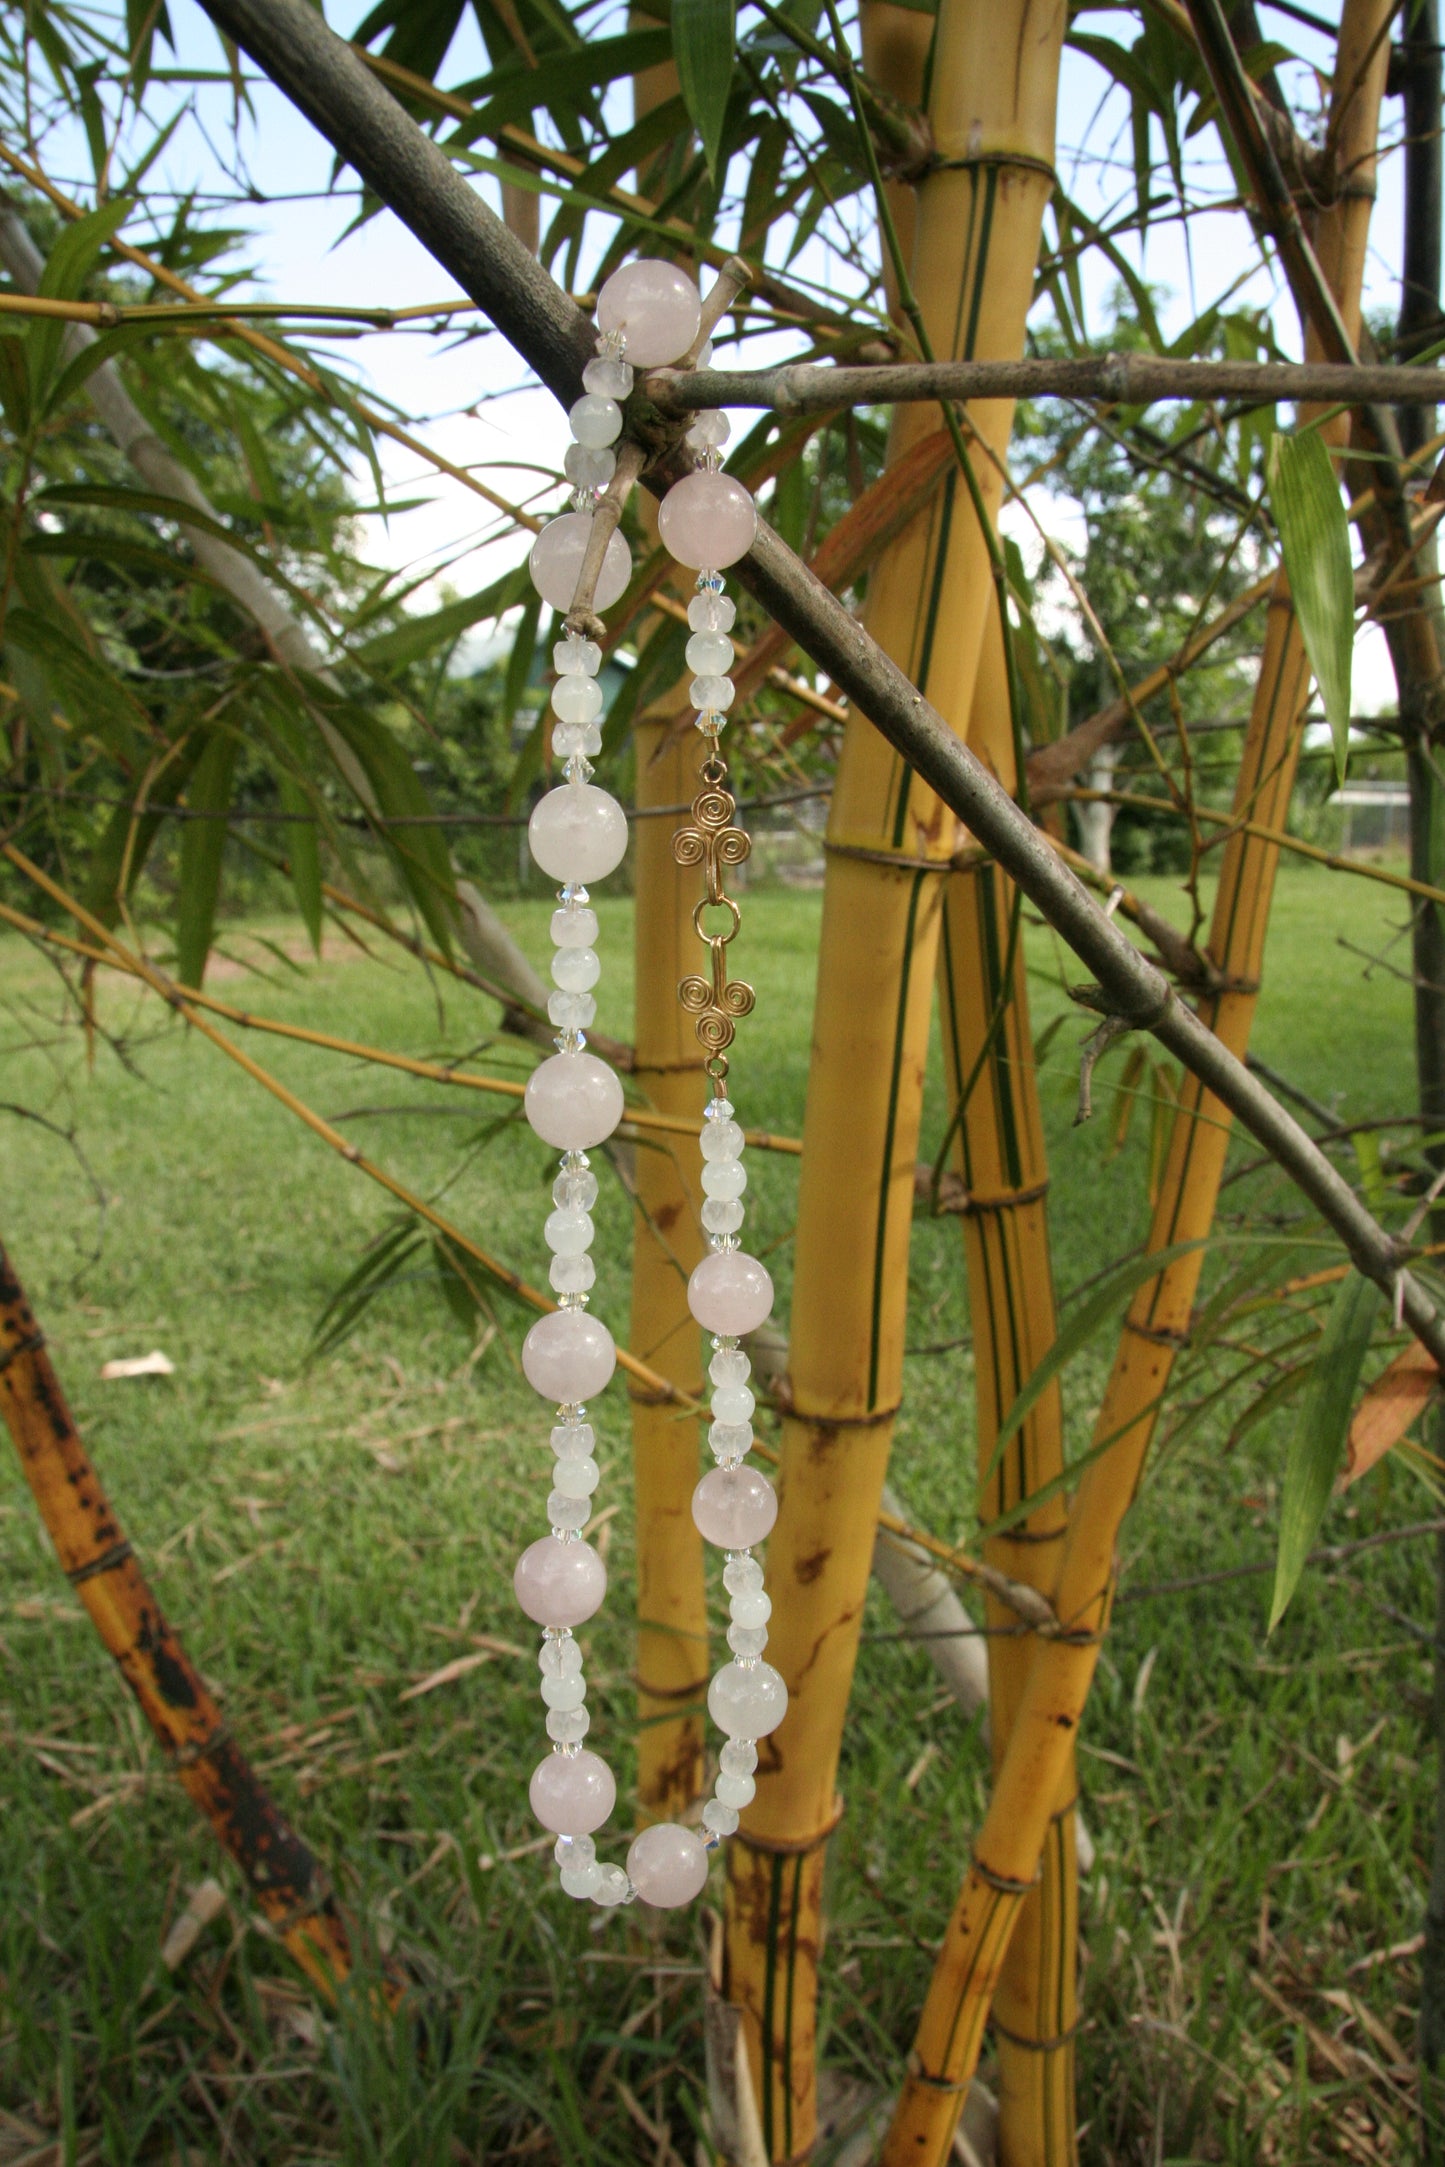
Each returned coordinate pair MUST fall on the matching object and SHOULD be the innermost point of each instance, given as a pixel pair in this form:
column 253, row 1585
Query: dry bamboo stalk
column 1017, row 1826
column 889, row 840
column 284, row 1876
column 1002, row 1160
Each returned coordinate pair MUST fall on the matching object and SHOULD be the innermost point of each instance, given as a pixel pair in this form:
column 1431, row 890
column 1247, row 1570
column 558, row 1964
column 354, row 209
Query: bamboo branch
column 332, row 86
column 1115, row 379
column 285, row 1877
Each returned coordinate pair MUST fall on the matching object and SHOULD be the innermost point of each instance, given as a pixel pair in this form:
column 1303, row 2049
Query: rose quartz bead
column 556, row 560
column 730, row 1293
column 560, row 1583
column 568, row 1357
column 667, row 1865
column 658, row 308
column 572, row 1793
column 734, row 1507
column 747, row 1703
column 707, row 521
column 573, row 1101
column 577, row 834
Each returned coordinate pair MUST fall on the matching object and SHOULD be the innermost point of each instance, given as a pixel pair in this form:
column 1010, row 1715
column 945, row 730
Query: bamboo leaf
column 303, row 854
column 1319, row 1437
column 1396, row 1397
column 1100, row 1308
column 704, row 39
column 203, row 843
column 1314, row 537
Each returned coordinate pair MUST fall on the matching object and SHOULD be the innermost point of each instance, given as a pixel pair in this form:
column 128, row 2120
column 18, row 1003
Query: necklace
column 648, row 314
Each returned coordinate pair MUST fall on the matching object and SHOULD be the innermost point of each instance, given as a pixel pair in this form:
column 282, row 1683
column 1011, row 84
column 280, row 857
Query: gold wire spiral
column 715, row 843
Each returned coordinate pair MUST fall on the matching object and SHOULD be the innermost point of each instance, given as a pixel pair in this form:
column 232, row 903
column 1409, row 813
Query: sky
column 479, row 405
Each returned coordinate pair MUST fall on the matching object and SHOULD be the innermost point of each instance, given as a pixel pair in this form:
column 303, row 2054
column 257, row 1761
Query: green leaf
column 382, row 1267
column 1098, row 1311
column 67, row 268
column 203, row 844
column 704, row 40
column 1319, row 1439
column 1314, row 537
column 303, row 854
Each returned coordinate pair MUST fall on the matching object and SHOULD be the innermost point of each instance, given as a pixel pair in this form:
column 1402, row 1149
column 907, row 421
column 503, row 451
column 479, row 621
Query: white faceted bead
column 739, row 1757
column 722, row 1215
column 560, row 1583
column 571, row 1275
column 729, row 1441
column 572, row 1793
column 574, row 1850
column 729, row 1365
column 556, row 560
column 595, row 421
column 571, row 928
column 724, row 1178
column 568, row 1515
column 713, row 695
column 721, row 1819
column 569, row 738
column 568, row 1726
column 571, row 1011
column 721, row 1140
column 564, row 1692
column 573, row 1100
column 736, row 1791
column 709, row 654
column 612, row 1887
column 575, row 1188
column 707, row 521
column 576, row 1441
column 574, row 656
column 560, row 1658
column 577, row 699
column 747, row 1640
column 741, row 1576
column 608, row 378
column 576, row 970
column 655, row 306
column 747, row 1703
column 579, row 1478
column 569, row 1357
column 734, row 1507
column 588, row 469
column 568, row 1233
column 711, row 428
column 729, row 1292
column 581, row 1881
column 733, row 1403
column 667, row 1865
column 578, row 832
column 712, row 612
column 751, row 1607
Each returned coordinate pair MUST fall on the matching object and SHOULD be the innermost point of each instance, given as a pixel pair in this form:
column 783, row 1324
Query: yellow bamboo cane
column 979, row 216
column 1015, row 1831
column 1000, row 1154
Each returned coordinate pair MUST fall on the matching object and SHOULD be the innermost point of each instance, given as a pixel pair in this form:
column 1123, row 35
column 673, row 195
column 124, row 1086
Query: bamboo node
column 1036, row 2046
column 1005, row 1883
column 917, row 2074
column 789, row 1846
column 105, row 1563
column 901, row 860
column 1161, row 1334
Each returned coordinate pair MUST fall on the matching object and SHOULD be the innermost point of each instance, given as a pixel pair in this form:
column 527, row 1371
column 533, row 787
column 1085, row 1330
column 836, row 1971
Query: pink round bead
column 573, row 1100
column 560, row 1583
column 572, row 1793
column 707, row 521
column 556, row 561
column 568, row 1357
column 577, row 833
column 730, row 1292
column 667, row 1865
column 657, row 307
column 734, row 1507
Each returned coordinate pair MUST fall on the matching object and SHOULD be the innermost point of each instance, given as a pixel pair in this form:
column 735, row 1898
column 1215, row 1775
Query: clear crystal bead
column 568, row 1726
column 574, row 1850
column 729, row 1365
column 575, row 1188
column 573, row 1440
column 742, row 1574
column 717, row 1110
column 613, row 1887
column 721, row 1819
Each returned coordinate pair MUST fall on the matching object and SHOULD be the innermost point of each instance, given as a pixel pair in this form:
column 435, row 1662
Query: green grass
column 327, row 1536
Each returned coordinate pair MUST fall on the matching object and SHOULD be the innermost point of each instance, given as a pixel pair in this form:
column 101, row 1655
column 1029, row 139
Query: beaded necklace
column 648, row 314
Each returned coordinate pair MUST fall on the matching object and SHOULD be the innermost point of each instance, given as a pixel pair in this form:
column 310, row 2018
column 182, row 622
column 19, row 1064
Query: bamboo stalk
column 1016, row 1828
column 1001, row 1158
column 889, row 842
column 284, row 1875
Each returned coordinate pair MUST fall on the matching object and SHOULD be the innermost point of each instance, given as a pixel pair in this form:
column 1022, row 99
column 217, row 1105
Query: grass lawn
column 327, row 1536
